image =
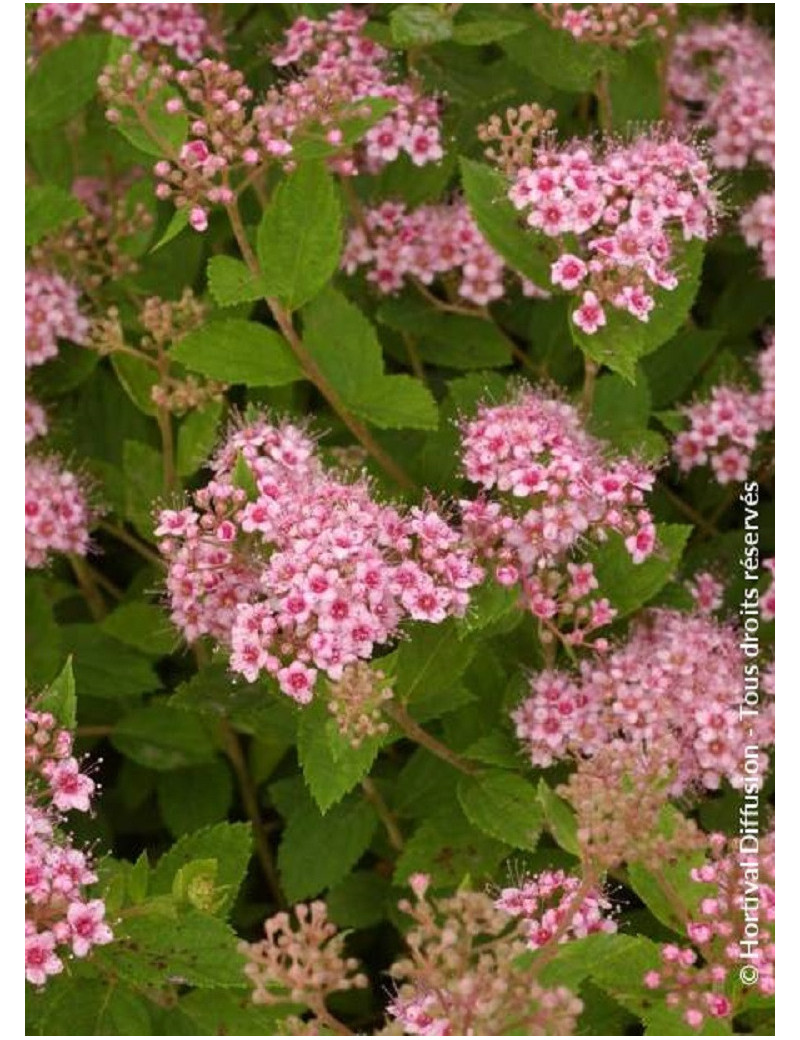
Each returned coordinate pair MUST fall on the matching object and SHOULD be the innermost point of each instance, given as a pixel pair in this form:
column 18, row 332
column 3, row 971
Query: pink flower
column 198, row 218
column 87, row 926
column 71, row 788
column 568, row 271
column 41, row 960
column 590, row 316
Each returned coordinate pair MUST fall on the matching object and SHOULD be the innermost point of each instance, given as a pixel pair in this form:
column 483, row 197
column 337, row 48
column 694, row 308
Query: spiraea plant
column 399, row 496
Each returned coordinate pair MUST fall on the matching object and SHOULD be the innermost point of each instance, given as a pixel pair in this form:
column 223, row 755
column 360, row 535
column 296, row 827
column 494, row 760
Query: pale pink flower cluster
column 768, row 597
column 52, row 312
column 699, row 986
column 707, row 592
column 724, row 430
column 58, row 915
column 555, row 489
column 671, row 680
column 334, row 54
column 181, row 27
column 757, row 224
column 616, row 210
column 35, row 420
column 304, row 572
column 619, row 25
column 552, row 908
column 722, row 76
column 430, row 242
column 57, row 511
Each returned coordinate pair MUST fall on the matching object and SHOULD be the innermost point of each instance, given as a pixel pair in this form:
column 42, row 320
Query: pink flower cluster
column 51, row 313
column 335, row 54
column 552, row 908
column 671, row 680
column 616, row 209
column 724, row 430
column 555, row 489
column 304, row 572
column 757, row 225
column 768, row 598
column 182, row 27
column 430, row 242
column 57, row 511
column 35, row 420
column 726, row 73
column 614, row 24
column 707, row 592
column 57, row 911
column 699, row 986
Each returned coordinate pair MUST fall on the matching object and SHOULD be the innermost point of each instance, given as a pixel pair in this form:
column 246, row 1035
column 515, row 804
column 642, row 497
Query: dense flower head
column 59, row 916
column 332, row 57
column 670, row 681
column 722, row 76
column 35, row 420
column 52, row 312
column 550, row 488
column 57, row 511
column 356, row 701
column 624, row 206
column 304, row 572
column 726, row 428
column 300, row 959
column 757, row 224
column 555, row 907
column 441, row 241
column 181, row 27
column 696, row 980
column 618, row 25
column 460, row 978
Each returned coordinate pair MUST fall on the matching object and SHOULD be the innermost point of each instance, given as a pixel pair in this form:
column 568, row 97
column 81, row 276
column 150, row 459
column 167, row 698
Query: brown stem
column 132, row 542
column 677, row 905
column 603, row 95
column 312, row 371
column 94, row 731
column 590, row 371
column 91, row 593
column 413, row 357
column 385, row 814
column 320, row 1010
column 249, row 794
column 689, row 511
column 415, row 732
column 105, row 583
column 164, row 420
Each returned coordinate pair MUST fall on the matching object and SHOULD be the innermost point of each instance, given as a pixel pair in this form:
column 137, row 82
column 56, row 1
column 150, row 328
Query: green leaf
column 344, row 345
column 144, row 484
column 447, row 340
column 193, row 948
column 434, row 657
column 195, row 797
column 230, row 1013
column 672, row 368
column 634, row 87
column 448, row 847
column 317, row 851
column 300, row 236
column 63, row 80
column 137, row 379
column 43, row 649
column 237, row 351
column 360, row 901
column 60, row 699
column 616, row 962
column 197, row 437
column 630, row 585
column 623, row 340
column 556, row 57
column 418, row 25
column 161, row 737
column 230, row 282
column 46, row 209
column 504, row 806
column 487, row 196
column 90, row 1007
column 230, row 844
column 331, row 766
column 485, row 30
column 177, row 222
column 143, row 626
column 620, row 414
column 104, row 667
column 495, row 749
column 560, row 818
